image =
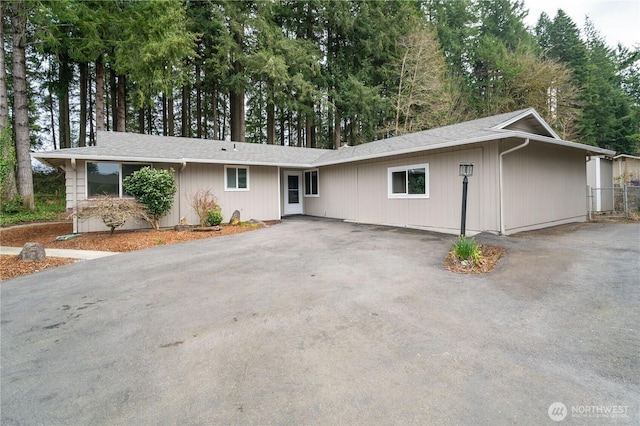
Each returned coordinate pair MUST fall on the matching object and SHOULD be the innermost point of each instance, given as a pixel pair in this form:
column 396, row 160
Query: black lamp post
column 466, row 169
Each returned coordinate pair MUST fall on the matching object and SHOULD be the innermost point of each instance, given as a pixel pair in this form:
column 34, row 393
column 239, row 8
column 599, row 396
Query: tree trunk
column 308, row 130
column 122, row 104
column 214, row 112
column 171, row 125
column 237, row 99
column 9, row 189
column 64, row 80
column 141, row 120
column 113, row 90
column 99, row 94
column 84, row 82
column 186, row 122
column 336, row 129
column 198, row 104
column 164, row 115
column 237, row 116
column 149, row 120
column 20, row 104
column 271, row 115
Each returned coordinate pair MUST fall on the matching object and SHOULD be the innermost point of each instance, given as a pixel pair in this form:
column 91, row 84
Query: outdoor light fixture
column 466, row 169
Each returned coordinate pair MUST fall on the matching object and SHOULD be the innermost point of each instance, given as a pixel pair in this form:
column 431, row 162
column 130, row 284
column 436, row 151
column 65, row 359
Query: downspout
column 279, row 195
column 184, row 166
column 515, row 148
column 75, row 196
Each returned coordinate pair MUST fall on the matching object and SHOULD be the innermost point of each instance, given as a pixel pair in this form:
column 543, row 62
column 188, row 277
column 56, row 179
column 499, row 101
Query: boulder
column 32, row 252
column 235, row 218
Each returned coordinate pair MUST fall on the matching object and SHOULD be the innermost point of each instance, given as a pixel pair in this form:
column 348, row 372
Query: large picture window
column 409, row 181
column 106, row 178
column 311, row 183
column 236, row 178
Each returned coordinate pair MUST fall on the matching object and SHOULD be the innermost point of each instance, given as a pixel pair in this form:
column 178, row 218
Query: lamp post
column 466, row 169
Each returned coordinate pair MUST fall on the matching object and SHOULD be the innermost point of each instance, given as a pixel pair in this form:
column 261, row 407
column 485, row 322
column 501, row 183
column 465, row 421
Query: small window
column 236, row 178
column 106, row 178
column 311, row 183
column 409, row 181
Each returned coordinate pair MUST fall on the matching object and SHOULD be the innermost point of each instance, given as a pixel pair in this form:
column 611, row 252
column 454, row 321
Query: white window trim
column 226, row 186
column 120, row 188
column 304, row 189
column 390, row 172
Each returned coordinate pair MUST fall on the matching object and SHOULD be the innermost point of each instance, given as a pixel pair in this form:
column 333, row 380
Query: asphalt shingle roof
column 119, row 146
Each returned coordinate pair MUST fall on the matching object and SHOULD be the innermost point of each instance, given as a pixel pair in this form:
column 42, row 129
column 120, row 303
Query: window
column 311, row 183
column 409, row 181
column 106, row 178
column 236, row 178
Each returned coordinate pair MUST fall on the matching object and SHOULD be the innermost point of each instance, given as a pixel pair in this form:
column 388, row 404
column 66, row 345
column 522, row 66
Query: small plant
column 203, row 202
column 467, row 249
column 214, row 217
column 160, row 242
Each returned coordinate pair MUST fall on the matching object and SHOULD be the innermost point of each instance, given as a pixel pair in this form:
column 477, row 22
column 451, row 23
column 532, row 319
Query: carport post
column 466, row 169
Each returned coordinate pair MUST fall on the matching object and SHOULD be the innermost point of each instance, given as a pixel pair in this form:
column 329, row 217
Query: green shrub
column 155, row 189
column 214, row 217
column 467, row 249
column 13, row 206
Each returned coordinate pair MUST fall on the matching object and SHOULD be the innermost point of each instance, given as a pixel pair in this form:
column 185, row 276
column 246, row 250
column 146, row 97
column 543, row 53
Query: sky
column 615, row 20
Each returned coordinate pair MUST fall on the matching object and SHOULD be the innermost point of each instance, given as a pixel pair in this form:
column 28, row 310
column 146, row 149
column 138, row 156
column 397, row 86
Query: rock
column 33, row 252
column 235, row 218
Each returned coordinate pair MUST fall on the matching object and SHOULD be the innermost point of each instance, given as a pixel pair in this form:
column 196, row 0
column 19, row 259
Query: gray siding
column 544, row 185
column 260, row 202
column 359, row 192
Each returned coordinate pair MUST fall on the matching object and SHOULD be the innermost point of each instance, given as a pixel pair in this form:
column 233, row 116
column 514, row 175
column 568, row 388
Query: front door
column 292, row 193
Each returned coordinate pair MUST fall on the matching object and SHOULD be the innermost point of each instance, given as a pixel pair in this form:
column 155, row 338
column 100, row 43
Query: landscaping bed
column 119, row 241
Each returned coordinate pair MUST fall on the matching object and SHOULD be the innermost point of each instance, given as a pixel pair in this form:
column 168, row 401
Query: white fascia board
column 530, row 111
column 587, row 148
column 626, row 156
column 43, row 156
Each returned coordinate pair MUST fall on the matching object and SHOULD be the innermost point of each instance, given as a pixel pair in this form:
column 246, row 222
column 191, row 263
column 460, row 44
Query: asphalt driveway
column 323, row 322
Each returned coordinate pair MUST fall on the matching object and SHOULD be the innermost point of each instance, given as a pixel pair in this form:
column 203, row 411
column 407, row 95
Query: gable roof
column 134, row 147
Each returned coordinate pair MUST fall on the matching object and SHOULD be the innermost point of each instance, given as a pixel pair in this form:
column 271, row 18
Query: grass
column 47, row 207
column 467, row 249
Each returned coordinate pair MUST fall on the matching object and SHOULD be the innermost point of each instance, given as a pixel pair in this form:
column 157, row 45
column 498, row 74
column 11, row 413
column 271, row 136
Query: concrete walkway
column 70, row 254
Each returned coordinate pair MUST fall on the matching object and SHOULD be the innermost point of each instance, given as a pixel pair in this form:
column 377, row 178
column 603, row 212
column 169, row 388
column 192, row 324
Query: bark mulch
column 119, row 241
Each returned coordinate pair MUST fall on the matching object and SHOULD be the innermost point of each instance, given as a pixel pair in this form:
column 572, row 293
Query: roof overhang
column 58, row 159
column 503, row 134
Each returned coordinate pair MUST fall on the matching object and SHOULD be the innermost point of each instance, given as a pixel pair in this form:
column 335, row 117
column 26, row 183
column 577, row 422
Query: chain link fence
column 618, row 200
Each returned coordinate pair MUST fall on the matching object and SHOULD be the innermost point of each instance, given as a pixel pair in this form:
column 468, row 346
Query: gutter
column 515, row 148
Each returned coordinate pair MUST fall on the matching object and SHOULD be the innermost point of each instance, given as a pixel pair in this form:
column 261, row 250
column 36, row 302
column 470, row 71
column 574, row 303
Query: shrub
column 13, row 206
column 203, row 202
column 214, row 217
column 114, row 212
column 155, row 189
column 467, row 249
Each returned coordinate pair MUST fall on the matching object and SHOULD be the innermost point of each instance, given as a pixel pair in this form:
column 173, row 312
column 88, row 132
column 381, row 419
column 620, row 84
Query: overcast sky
column 615, row 20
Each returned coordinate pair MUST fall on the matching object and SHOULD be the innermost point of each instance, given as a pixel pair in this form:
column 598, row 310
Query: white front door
column 292, row 193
